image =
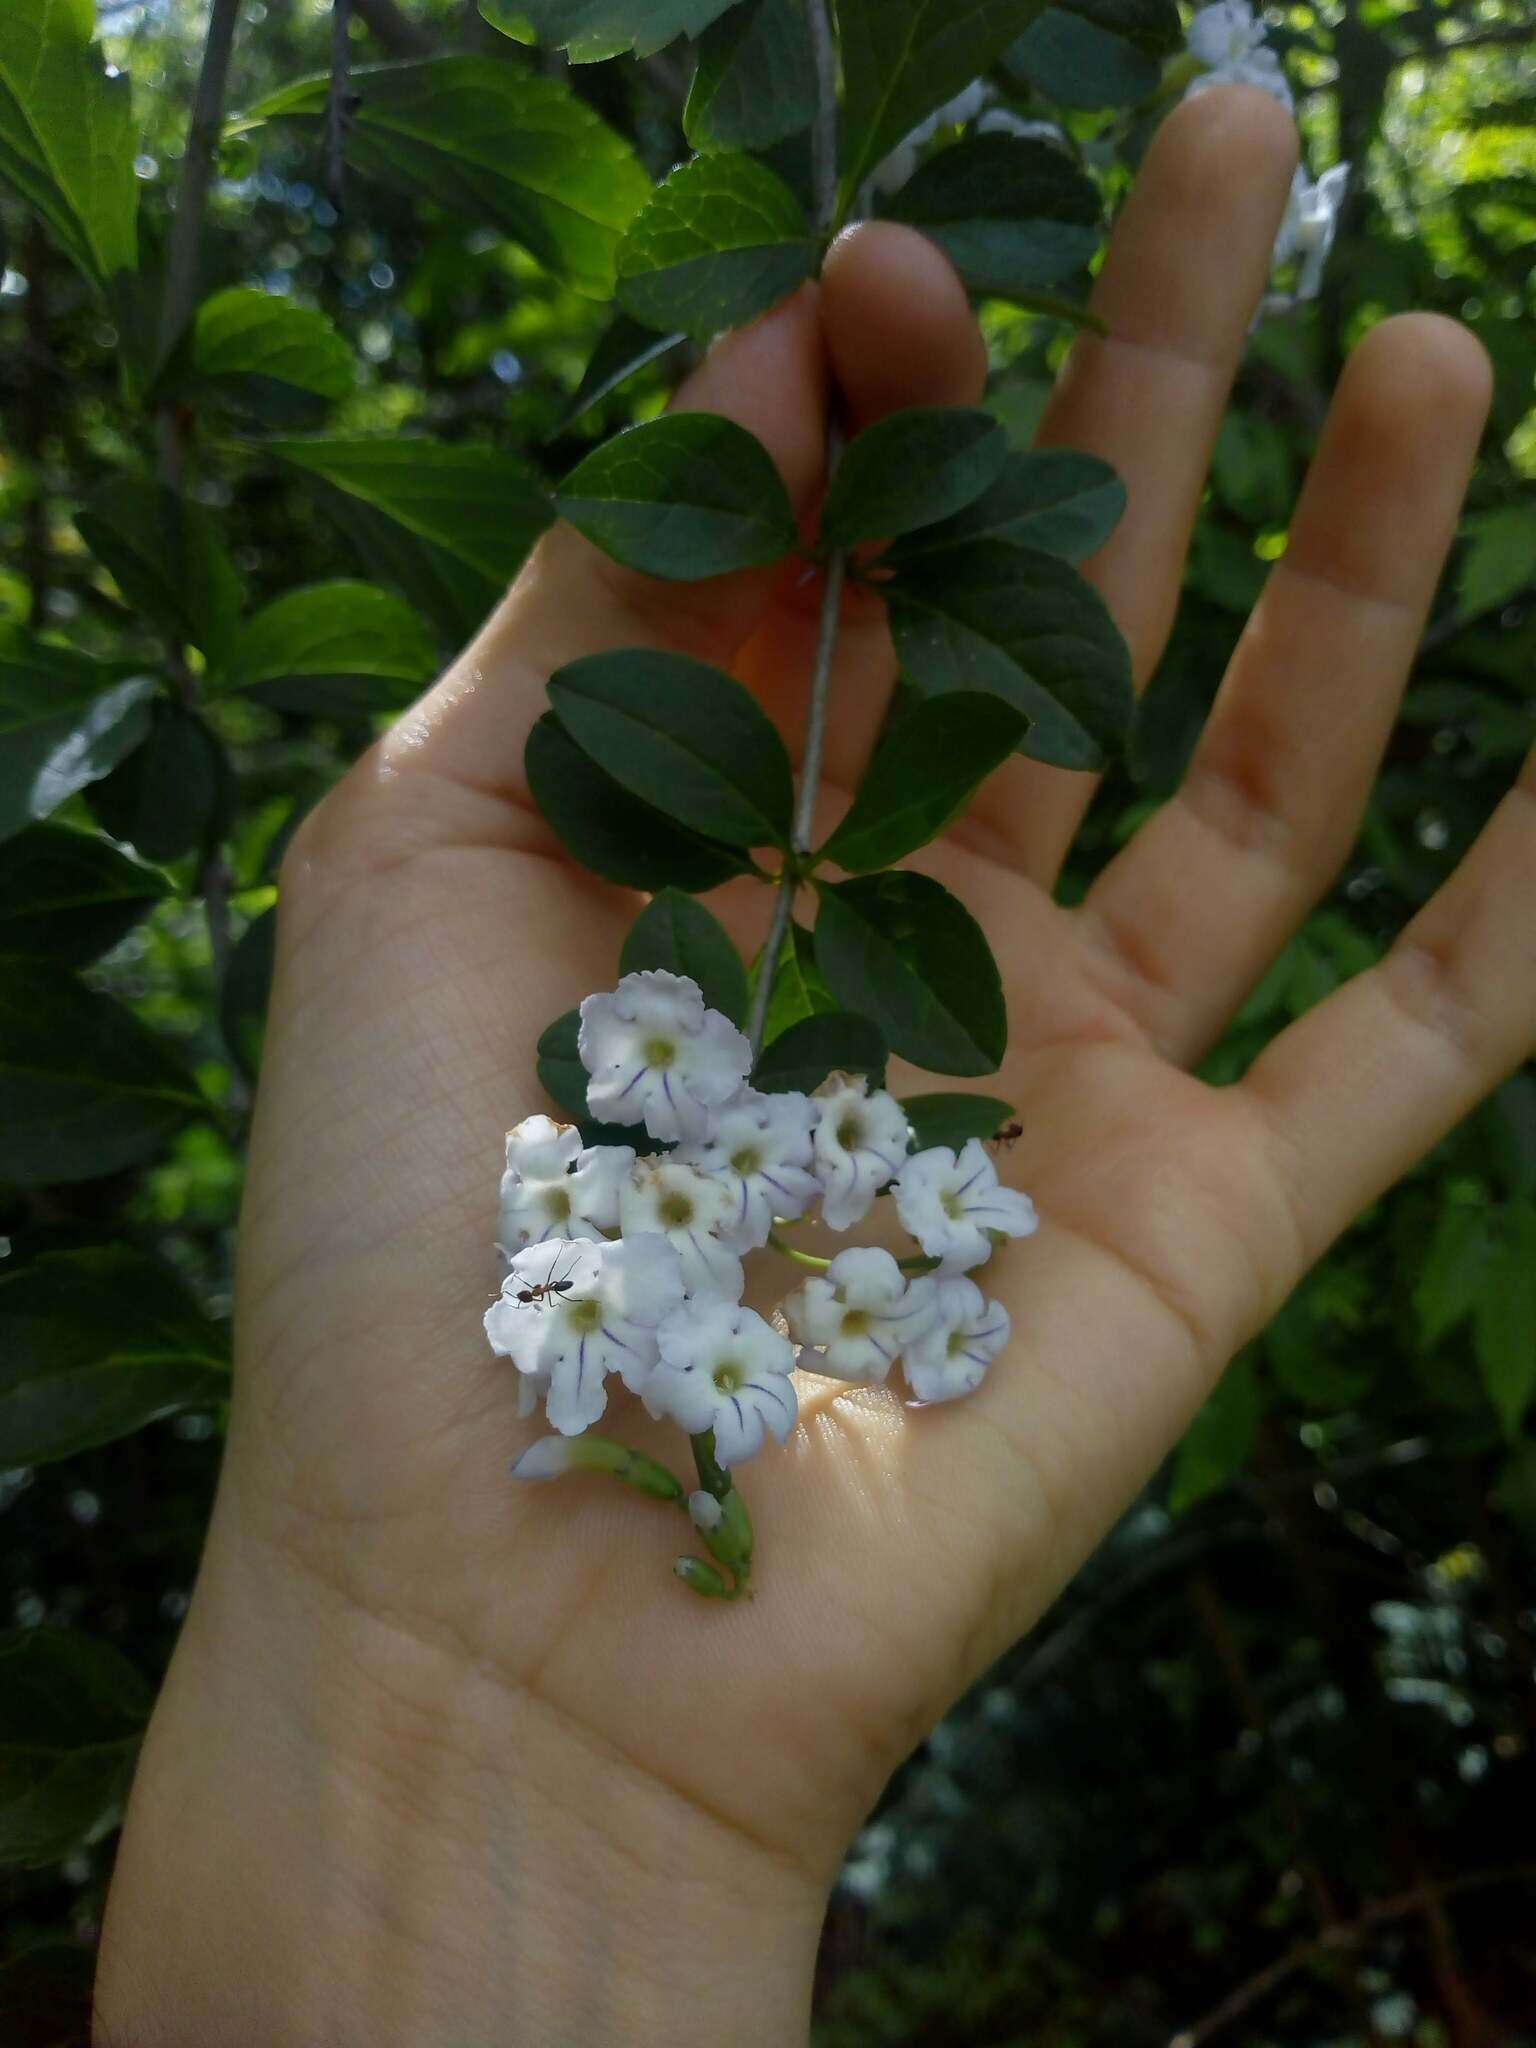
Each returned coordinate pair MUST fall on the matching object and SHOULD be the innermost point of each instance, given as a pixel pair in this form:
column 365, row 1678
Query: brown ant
column 1008, row 1135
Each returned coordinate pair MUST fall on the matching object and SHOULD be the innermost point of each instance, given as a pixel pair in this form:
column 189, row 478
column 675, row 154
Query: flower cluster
column 1229, row 39
column 630, row 1265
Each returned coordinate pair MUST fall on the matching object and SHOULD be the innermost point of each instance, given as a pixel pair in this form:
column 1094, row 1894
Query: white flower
column 951, row 1356
column 759, row 1150
column 689, row 1210
column 1310, row 224
column 723, row 1368
column 1004, row 121
column 952, row 1203
column 893, row 171
column 658, row 1057
column 573, row 1311
column 860, row 1143
column 553, row 1187
column 861, row 1314
column 1229, row 39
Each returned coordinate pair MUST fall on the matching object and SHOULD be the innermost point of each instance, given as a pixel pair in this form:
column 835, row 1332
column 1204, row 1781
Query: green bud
column 731, row 1538
column 588, row 1453
column 701, row 1578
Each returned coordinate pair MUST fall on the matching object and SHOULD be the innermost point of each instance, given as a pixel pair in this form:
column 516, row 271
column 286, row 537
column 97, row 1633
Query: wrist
column 341, row 1834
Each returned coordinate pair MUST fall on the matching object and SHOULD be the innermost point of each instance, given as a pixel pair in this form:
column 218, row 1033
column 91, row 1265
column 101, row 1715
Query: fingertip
column 1230, row 132
column 771, row 378
column 1415, row 364
column 899, row 327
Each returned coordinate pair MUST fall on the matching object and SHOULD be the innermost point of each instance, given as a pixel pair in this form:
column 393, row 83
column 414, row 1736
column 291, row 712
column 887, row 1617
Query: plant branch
column 339, row 103
column 824, row 132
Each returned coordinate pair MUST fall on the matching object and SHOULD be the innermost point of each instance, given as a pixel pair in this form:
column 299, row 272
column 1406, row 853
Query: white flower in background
column 657, row 1056
column 1310, row 224
column 1229, row 39
column 689, row 1210
column 952, row 1204
column 893, row 171
column 952, row 1354
column 553, row 1187
column 860, row 1143
column 573, row 1311
column 723, row 1368
column 861, row 1314
column 759, row 1149
column 1004, row 121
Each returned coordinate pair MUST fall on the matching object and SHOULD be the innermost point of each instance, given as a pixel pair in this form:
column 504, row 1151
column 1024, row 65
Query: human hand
column 441, row 1760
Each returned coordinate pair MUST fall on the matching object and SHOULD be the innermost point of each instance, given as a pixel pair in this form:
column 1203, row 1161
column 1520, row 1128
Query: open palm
column 431, row 927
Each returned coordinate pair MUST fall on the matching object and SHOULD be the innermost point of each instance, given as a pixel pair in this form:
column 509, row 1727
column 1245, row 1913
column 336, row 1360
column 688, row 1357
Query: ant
column 536, row 1297
column 1008, row 1135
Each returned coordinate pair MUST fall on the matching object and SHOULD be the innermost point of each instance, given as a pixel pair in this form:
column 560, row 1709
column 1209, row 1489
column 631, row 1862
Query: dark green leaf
column 1297, row 1346
column 85, row 1088
column 72, row 1713
column 901, row 63
column 1026, row 626
column 331, row 650
column 1504, row 1319
column 798, row 988
column 1500, row 558
column 589, row 30
column 64, row 722
column 247, row 990
column 166, row 557
column 449, row 524
column 680, row 935
column 67, row 133
column 687, row 496
column 1098, row 53
column 900, row 949
column 263, row 354
column 833, row 1042
column 172, row 795
column 69, row 895
column 954, row 1120
column 683, row 737
column 910, row 468
column 495, row 144
column 719, row 242
column 1012, row 214
column 1050, row 498
column 1217, row 1443
column 45, row 1998
column 564, row 1079
column 95, row 1344
column 611, row 832
column 756, row 77
column 626, row 346
column 1450, row 1277
column 926, row 769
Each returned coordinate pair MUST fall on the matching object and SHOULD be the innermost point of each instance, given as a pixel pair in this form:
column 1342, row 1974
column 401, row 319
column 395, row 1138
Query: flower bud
column 552, row 1455
column 730, row 1539
column 700, row 1577
column 705, row 1511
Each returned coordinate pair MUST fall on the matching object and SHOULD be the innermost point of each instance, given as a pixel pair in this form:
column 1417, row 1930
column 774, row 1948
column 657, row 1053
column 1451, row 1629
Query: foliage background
column 1262, row 1775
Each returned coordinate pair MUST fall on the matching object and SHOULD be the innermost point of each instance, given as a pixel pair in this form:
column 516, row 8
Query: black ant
column 535, row 1297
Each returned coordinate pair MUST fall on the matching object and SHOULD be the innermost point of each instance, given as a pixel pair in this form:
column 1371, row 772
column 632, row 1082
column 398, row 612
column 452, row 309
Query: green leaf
column 901, row 63
column 262, row 354
column 448, row 524
column 720, row 241
column 684, row 497
column 798, row 988
column 678, row 934
column 564, row 1079
column 954, row 1120
column 1027, row 627
column 166, row 557
column 624, row 348
column 45, row 1997
column 173, row 795
column 683, row 737
column 1500, row 558
column 910, row 468
column 1052, row 499
column 495, row 144
column 1012, row 214
column 756, row 77
column 1504, row 1320
column 589, row 30
column 900, row 949
column 65, row 721
column 1451, row 1275
column 95, row 1344
column 331, row 650
column 611, row 832
column 72, row 1714
column 833, row 1042
column 85, row 1088
column 247, row 990
column 1218, row 1442
column 68, row 896
column 1098, row 53
column 67, row 134
column 1297, row 1346
column 927, row 767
